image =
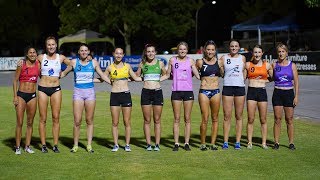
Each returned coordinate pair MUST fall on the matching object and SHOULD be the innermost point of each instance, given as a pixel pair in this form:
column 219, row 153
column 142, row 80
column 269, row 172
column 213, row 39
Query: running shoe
column 149, row 147
column 28, row 150
column 176, row 147
column 127, row 148
column 74, row 149
column 203, row 147
column 249, row 145
column 89, row 149
column 44, row 149
column 213, row 147
column 276, row 146
column 187, row 147
column 237, row 146
column 292, row 147
column 115, row 148
column 18, row 151
column 225, row 145
column 55, row 149
column 156, row 147
column 264, row 146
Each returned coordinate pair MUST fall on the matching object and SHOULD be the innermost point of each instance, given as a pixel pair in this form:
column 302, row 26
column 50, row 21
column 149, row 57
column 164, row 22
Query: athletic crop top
column 83, row 75
column 258, row 71
column 151, row 72
column 283, row 75
column 233, row 71
column 29, row 74
column 182, row 75
column 50, row 67
column 208, row 70
column 121, row 73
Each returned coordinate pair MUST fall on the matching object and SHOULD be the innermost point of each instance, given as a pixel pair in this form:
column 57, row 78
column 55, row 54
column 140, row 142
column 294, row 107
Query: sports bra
column 151, row 72
column 208, row 70
column 29, row 74
column 258, row 71
column 119, row 73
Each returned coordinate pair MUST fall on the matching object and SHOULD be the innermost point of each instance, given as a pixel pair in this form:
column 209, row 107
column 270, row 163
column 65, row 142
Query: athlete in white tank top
column 51, row 67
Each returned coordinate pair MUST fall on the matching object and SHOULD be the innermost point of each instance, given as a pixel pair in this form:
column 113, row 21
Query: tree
column 252, row 8
column 313, row 3
column 20, row 24
column 163, row 18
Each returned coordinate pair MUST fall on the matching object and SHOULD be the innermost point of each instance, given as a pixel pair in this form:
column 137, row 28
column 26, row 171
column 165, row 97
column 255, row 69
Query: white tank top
column 233, row 71
column 51, row 67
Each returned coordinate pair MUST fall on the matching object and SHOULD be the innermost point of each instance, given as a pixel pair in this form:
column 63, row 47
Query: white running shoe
column 18, row 151
column 115, row 148
column 28, row 150
column 127, row 148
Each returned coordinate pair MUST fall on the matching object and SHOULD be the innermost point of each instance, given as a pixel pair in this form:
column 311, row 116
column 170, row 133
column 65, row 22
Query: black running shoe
column 203, row 147
column 292, row 147
column 276, row 146
column 44, row 149
column 187, row 147
column 214, row 147
column 55, row 149
column 176, row 147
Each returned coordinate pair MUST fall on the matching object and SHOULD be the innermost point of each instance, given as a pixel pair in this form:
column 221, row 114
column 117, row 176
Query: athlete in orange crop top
column 258, row 72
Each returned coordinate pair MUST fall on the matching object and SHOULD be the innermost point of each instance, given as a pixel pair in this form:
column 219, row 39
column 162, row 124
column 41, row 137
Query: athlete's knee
column 289, row 120
column 157, row 121
column 239, row 117
column 147, row 121
column 89, row 121
column 263, row 121
column 204, row 121
column 187, row 120
column 30, row 123
column 177, row 120
column 77, row 123
column 277, row 121
column 250, row 120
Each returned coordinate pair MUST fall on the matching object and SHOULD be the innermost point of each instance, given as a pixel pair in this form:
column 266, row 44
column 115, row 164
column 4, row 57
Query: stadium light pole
column 197, row 13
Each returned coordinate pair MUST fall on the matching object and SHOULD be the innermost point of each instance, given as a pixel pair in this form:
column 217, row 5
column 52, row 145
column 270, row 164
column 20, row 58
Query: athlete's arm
column 133, row 75
column 15, row 82
column 194, row 69
column 99, row 71
column 296, row 84
column 163, row 72
column 221, row 65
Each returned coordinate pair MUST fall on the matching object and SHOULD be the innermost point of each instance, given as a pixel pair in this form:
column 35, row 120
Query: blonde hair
column 183, row 43
column 282, row 46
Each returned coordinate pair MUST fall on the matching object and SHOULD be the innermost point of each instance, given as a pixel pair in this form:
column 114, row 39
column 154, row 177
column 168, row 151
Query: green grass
column 103, row 164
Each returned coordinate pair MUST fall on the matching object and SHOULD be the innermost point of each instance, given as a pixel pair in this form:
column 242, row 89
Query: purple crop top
column 283, row 75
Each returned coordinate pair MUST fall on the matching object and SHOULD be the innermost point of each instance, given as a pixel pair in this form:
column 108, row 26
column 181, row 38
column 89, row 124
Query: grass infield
column 303, row 163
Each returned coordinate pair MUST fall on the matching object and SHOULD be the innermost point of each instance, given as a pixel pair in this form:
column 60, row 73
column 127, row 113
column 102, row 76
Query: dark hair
column 118, row 48
column 83, row 44
column 236, row 40
column 256, row 46
column 144, row 53
column 26, row 50
column 210, row 42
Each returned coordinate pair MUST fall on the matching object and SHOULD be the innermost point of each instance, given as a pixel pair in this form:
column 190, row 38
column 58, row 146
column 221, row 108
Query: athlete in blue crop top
column 285, row 95
column 84, row 94
column 209, row 93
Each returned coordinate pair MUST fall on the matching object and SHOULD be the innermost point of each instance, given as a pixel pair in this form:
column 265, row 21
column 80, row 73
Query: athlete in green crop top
column 152, row 70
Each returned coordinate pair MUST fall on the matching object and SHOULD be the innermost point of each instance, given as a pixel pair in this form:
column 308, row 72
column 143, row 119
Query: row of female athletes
column 232, row 67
